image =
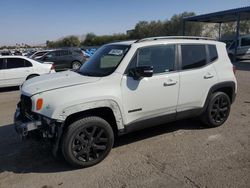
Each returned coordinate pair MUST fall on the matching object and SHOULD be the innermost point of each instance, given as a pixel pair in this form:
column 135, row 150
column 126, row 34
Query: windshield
column 105, row 60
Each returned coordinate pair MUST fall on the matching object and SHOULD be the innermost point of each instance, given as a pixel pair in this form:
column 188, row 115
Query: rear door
column 197, row 75
column 17, row 70
column 65, row 59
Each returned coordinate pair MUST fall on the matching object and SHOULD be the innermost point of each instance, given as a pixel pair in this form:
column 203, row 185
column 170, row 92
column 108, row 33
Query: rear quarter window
column 213, row 54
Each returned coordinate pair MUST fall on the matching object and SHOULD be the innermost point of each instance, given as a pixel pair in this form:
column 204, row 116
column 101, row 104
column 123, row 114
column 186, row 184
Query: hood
column 55, row 81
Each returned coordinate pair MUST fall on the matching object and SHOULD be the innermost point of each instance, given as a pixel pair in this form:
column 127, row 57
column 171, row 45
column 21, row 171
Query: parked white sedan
column 14, row 70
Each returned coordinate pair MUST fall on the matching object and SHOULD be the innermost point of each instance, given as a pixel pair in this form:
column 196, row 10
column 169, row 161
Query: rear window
column 213, row 54
column 193, row 56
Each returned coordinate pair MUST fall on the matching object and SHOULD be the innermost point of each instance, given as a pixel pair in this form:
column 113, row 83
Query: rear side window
column 193, row 56
column 17, row 63
column 64, row 52
column 213, row 55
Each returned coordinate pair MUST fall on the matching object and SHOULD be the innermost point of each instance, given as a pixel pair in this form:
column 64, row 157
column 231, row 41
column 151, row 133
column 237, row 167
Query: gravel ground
column 181, row 154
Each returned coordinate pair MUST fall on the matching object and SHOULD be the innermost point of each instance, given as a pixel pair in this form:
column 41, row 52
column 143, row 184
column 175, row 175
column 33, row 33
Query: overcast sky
column 34, row 22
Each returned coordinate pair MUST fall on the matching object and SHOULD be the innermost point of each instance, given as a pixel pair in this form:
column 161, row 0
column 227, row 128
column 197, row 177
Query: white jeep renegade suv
column 126, row 86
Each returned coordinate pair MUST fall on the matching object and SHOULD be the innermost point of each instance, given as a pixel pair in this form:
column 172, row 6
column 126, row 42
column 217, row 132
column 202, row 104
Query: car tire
column 32, row 76
column 217, row 111
column 87, row 141
column 76, row 65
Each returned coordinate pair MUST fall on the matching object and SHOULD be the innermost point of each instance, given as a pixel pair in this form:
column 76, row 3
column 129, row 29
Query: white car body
column 122, row 93
column 16, row 76
column 124, row 87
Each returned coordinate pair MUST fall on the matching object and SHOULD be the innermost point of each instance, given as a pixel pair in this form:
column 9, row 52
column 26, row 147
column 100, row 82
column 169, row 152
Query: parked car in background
column 17, row 53
column 243, row 47
column 2, row 53
column 71, row 58
column 38, row 54
column 14, row 70
column 29, row 53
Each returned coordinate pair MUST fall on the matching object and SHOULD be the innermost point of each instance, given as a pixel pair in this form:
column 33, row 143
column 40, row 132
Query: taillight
column 52, row 67
column 234, row 69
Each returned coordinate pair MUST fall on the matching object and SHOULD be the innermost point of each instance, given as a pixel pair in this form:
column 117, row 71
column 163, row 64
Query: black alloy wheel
column 76, row 65
column 218, row 110
column 90, row 143
column 87, row 141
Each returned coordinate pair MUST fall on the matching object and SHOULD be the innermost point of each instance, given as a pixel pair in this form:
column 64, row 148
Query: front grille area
column 25, row 105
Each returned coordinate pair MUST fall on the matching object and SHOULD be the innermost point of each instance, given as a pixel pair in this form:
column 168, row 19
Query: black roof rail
column 173, row 37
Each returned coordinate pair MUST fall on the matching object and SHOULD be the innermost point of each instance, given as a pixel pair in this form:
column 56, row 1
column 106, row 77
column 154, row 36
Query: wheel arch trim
column 218, row 86
column 94, row 105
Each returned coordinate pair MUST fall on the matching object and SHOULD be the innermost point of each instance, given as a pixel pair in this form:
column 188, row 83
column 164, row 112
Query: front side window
column 161, row 58
column 193, row 56
column 15, row 63
column 52, row 54
column 105, row 60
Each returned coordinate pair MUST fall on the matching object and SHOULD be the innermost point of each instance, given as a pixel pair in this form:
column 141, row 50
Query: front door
column 152, row 96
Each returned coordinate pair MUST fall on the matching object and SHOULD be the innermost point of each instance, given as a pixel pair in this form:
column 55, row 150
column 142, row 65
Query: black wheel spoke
column 81, row 139
column 80, row 153
column 101, row 140
column 77, row 147
column 87, row 156
column 90, row 144
column 93, row 131
column 99, row 147
column 95, row 154
column 100, row 134
column 220, row 109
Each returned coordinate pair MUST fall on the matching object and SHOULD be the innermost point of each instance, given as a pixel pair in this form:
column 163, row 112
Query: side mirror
column 141, row 72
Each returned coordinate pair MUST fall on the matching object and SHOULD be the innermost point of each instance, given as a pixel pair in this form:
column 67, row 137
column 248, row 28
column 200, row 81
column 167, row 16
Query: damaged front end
column 29, row 124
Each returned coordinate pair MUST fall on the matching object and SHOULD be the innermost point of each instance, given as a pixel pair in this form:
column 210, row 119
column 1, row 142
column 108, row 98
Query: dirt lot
column 181, row 154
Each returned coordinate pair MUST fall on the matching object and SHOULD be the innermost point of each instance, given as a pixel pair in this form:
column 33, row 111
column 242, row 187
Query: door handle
column 208, row 76
column 169, row 83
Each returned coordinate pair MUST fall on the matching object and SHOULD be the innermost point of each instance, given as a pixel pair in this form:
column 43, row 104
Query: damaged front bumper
column 24, row 125
column 46, row 128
